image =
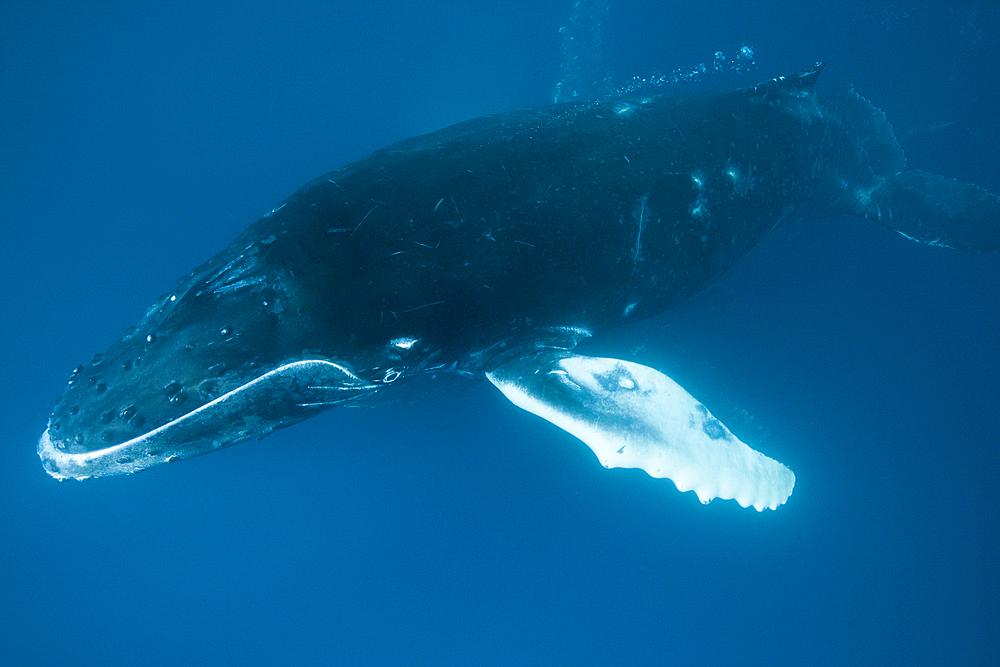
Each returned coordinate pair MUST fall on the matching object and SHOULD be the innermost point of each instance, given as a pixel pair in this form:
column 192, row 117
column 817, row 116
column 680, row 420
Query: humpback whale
column 490, row 249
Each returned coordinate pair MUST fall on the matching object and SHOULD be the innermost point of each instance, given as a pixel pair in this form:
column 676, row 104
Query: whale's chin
column 278, row 398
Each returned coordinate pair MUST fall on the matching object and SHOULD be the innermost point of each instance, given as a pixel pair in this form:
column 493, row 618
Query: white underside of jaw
column 134, row 455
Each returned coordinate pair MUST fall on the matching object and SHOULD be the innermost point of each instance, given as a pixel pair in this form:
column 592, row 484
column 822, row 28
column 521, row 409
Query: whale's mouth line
column 280, row 397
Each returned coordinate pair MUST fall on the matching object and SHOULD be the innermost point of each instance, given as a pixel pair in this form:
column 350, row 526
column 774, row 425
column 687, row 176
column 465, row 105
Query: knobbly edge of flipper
column 633, row 416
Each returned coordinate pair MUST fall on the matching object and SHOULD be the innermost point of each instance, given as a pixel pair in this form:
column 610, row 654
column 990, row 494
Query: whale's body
column 490, row 248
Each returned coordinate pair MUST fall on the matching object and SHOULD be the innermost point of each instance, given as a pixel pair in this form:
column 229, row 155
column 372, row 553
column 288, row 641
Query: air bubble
column 171, row 388
column 78, row 438
column 73, row 409
column 128, row 412
column 742, row 62
column 178, row 398
column 226, row 331
column 96, row 359
column 150, row 338
column 127, row 365
column 107, row 417
column 100, row 387
column 107, row 436
column 720, row 61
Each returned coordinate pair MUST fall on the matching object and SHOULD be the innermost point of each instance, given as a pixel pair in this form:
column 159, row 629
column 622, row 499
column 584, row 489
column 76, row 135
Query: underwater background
column 448, row 527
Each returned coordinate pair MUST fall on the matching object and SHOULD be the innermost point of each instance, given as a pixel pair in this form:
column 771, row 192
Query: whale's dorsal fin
column 804, row 80
column 633, row 416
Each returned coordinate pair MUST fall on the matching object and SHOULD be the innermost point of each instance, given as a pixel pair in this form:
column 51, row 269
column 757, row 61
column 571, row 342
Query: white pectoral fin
column 633, row 416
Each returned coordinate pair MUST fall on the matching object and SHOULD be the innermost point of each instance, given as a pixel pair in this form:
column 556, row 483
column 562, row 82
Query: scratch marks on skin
column 234, row 286
column 505, row 171
column 230, row 277
column 274, row 210
column 936, row 242
column 864, row 197
column 640, row 214
column 215, row 276
column 878, row 210
column 363, row 219
column 426, row 305
column 454, row 223
column 422, row 245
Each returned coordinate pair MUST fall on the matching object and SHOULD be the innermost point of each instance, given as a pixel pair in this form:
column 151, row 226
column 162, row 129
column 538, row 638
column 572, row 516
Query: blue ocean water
column 140, row 138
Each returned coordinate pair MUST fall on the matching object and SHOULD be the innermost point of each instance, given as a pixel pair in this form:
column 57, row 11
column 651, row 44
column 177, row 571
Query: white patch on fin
column 633, row 416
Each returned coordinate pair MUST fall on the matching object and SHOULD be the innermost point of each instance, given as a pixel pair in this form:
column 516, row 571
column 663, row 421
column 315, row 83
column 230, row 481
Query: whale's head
column 220, row 359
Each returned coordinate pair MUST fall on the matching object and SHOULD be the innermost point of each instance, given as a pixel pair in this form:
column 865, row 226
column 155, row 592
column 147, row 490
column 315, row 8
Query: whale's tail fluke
column 937, row 211
column 923, row 207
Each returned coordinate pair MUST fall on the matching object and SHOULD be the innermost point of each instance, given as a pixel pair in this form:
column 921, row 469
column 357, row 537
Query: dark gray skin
column 524, row 229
